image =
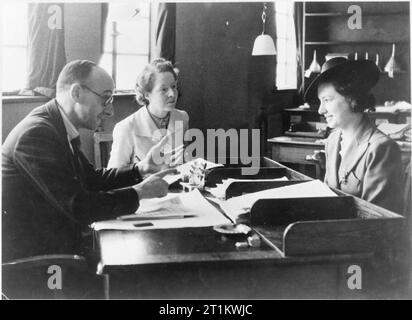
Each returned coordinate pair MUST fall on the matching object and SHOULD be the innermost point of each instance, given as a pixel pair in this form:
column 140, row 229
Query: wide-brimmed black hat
column 364, row 73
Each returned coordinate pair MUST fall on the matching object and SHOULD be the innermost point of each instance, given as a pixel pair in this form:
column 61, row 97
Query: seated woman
column 360, row 159
column 156, row 92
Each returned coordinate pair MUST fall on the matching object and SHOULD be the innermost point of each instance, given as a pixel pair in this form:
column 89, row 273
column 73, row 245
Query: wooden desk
column 294, row 150
column 195, row 263
column 198, row 263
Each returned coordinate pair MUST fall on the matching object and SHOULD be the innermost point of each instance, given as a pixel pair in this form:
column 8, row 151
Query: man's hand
column 154, row 186
column 156, row 159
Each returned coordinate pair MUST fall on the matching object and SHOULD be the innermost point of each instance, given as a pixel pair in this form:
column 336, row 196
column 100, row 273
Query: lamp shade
column 263, row 46
column 392, row 66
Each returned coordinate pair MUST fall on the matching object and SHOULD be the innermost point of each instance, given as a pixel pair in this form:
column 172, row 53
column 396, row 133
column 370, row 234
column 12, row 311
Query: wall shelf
column 298, row 110
column 345, row 14
column 384, row 25
column 402, row 72
column 354, row 43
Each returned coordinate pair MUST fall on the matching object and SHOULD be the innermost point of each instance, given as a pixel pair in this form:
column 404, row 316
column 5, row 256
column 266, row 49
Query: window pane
column 286, row 46
column 144, row 9
column 106, row 62
column 285, row 7
column 133, row 37
column 282, row 54
column 290, row 26
column 290, row 51
column 14, row 24
column 291, row 80
column 283, row 75
column 108, row 42
column 280, row 71
column 14, row 69
column 281, row 25
column 132, row 43
column 128, row 68
column 14, row 43
column 122, row 11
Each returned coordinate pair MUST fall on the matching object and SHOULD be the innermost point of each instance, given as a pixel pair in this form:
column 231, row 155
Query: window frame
column 5, row 45
column 288, row 39
column 109, row 37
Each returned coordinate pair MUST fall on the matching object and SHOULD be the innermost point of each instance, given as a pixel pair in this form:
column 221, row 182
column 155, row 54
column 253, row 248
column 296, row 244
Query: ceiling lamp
column 264, row 44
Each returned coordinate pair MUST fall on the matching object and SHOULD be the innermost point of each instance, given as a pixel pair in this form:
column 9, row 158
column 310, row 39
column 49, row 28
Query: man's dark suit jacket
column 47, row 198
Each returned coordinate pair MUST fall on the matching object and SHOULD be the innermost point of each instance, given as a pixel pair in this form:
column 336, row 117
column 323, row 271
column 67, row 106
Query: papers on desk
column 236, row 206
column 184, row 169
column 172, row 178
column 220, row 190
column 182, row 210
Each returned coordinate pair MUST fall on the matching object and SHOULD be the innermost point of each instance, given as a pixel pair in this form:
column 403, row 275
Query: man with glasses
column 51, row 193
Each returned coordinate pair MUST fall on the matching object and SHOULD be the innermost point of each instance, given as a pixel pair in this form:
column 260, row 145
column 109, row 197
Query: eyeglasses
column 107, row 100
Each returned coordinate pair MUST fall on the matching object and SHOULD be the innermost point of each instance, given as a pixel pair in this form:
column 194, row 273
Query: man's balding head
column 77, row 71
column 85, row 92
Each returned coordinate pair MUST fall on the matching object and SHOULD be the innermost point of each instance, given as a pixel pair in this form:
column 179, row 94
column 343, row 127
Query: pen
column 137, row 217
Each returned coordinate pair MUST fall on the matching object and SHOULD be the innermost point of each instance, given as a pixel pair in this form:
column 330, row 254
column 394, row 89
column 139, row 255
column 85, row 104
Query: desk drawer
column 293, row 153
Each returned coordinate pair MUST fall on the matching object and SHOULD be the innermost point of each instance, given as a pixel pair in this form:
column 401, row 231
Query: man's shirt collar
column 72, row 132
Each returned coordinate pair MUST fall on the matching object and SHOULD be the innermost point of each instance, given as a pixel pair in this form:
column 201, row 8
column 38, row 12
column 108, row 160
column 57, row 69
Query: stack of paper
column 220, row 190
column 236, row 206
column 181, row 210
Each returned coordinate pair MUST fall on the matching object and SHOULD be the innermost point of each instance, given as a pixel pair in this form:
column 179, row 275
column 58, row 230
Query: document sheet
column 176, row 210
column 236, row 206
column 220, row 190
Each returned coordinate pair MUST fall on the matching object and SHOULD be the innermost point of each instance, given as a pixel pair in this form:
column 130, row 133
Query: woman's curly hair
column 145, row 80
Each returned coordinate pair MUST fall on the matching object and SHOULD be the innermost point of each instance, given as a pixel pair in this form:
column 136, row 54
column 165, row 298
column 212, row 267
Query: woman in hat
column 360, row 159
column 156, row 92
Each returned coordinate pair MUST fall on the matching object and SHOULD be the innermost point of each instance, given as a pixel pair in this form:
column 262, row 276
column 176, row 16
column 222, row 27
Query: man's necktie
column 77, row 156
column 76, row 145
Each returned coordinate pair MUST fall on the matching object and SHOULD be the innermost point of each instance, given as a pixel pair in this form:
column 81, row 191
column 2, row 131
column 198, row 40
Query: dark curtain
column 46, row 52
column 298, row 17
column 166, row 32
column 104, row 14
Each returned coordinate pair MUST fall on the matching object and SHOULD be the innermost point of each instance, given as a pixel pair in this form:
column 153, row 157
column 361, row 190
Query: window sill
column 124, row 94
column 24, row 99
column 286, row 88
column 42, row 99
